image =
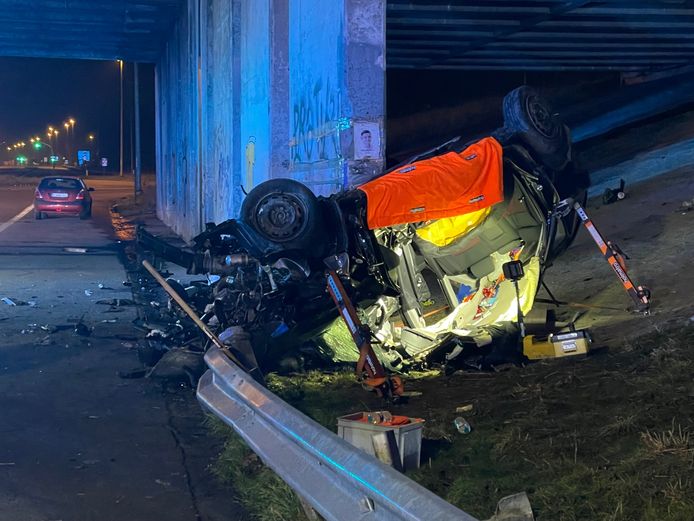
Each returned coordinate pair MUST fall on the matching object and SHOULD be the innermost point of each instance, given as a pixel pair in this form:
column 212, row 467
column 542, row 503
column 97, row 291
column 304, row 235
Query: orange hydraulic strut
column 614, row 256
column 369, row 368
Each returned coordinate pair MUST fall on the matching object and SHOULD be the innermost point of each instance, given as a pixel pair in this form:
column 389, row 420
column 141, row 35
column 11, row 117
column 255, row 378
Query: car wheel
column 284, row 211
column 39, row 215
column 529, row 117
column 86, row 214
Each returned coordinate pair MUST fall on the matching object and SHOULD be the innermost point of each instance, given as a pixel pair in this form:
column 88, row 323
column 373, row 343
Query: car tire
column 284, row 211
column 86, row 214
column 528, row 116
column 38, row 215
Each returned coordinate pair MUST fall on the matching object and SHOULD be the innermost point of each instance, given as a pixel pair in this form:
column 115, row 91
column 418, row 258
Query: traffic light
column 37, row 145
column 21, row 160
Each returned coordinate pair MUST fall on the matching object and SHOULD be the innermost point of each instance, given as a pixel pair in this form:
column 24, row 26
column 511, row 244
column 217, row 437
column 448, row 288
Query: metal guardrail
column 340, row 482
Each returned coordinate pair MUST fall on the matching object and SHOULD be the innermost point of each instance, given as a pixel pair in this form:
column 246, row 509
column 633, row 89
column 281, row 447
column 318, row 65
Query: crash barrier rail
column 339, row 481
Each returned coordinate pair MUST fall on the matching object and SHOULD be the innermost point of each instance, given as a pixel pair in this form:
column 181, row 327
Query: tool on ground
column 369, row 369
column 557, row 345
column 612, row 253
column 513, row 271
column 253, row 371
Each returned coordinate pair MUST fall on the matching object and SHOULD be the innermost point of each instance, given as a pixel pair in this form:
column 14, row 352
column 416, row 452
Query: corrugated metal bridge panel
column 131, row 30
column 540, row 34
column 462, row 34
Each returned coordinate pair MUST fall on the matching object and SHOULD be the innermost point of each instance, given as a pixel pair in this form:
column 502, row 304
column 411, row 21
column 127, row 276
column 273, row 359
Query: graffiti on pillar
column 316, row 124
column 250, row 162
column 220, row 189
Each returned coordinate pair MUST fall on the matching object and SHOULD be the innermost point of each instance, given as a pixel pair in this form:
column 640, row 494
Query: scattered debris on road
column 82, row 329
column 612, row 195
column 116, row 302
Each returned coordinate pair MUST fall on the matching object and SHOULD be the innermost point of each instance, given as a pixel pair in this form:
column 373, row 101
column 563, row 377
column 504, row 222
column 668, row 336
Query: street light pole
column 49, row 146
column 121, row 117
column 74, row 143
column 138, row 162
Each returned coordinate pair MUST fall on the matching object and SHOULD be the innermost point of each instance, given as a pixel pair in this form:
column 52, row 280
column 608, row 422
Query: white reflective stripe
column 348, row 319
column 5, row 226
column 596, row 236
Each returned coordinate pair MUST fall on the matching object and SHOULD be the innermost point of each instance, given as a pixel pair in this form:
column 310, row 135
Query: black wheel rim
column 280, row 217
column 540, row 117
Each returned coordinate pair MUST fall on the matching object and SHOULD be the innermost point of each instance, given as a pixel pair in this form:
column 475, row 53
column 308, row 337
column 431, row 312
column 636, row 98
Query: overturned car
column 418, row 251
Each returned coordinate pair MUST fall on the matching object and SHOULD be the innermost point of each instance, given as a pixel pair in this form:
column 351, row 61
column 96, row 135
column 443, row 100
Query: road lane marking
column 5, row 226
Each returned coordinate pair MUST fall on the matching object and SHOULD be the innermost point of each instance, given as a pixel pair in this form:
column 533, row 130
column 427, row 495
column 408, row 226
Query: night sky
column 36, row 93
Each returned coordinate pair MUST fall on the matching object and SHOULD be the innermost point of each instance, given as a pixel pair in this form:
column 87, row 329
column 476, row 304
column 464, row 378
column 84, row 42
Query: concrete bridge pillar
column 249, row 90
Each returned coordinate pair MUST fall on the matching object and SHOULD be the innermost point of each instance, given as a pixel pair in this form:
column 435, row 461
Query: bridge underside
column 281, row 88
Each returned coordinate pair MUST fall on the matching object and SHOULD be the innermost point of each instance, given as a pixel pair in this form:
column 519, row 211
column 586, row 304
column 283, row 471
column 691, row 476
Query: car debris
column 293, row 262
column 462, row 425
column 514, row 508
column 116, row 302
column 179, row 366
column 82, row 329
column 612, row 195
column 254, row 371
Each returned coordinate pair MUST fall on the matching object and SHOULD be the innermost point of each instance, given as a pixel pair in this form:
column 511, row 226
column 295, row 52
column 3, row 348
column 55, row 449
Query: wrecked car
column 419, row 250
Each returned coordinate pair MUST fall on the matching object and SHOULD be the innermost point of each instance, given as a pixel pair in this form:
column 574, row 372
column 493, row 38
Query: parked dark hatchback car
column 62, row 195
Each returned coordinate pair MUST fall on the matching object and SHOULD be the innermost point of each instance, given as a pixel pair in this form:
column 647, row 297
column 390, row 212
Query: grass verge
column 606, row 437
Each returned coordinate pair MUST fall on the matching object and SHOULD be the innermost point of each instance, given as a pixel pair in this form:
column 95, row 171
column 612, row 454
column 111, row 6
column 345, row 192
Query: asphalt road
column 77, row 442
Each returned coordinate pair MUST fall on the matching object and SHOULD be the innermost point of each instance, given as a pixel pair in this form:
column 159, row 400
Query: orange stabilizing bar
column 639, row 294
column 444, row 186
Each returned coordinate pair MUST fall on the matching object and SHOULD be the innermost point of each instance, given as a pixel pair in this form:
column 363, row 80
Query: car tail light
column 38, row 194
column 80, row 195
